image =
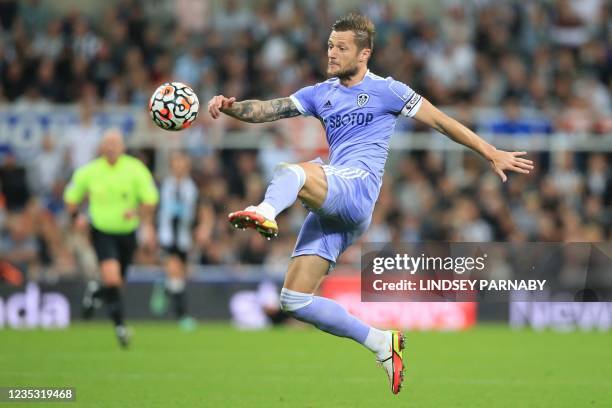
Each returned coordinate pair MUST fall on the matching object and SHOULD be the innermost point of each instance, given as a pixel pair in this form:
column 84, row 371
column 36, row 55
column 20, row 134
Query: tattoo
column 262, row 111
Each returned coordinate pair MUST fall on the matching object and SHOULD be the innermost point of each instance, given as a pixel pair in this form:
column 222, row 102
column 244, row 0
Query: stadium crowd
column 553, row 56
column 545, row 64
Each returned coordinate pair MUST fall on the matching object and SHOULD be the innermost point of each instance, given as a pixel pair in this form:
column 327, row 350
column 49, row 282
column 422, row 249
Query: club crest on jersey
column 362, row 99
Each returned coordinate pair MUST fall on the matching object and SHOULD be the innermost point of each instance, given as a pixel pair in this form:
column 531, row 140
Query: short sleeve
column 304, row 100
column 403, row 100
column 77, row 188
column 147, row 190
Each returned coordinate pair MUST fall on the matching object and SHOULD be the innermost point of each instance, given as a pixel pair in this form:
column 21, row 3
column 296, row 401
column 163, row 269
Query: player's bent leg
column 314, row 191
column 282, row 192
column 290, row 181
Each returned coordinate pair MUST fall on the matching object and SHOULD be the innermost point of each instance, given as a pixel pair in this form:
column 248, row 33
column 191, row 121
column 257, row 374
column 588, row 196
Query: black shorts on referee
column 120, row 247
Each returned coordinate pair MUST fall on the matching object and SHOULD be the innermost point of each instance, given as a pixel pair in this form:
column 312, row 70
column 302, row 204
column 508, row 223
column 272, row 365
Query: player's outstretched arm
column 500, row 160
column 252, row 111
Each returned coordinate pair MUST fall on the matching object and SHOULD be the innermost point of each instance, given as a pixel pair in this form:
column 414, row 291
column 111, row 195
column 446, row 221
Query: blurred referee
column 122, row 195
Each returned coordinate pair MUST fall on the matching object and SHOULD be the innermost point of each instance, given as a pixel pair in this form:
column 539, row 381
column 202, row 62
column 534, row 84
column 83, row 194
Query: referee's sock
column 114, row 304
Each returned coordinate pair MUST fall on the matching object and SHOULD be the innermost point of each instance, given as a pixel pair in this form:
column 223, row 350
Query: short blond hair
column 361, row 26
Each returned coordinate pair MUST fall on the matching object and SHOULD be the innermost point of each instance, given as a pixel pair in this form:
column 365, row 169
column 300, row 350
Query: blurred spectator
column 453, row 63
column 253, row 251
column 190, row 65
column 565, row 176
column 514, row 122
column 18, row 245
column 467, row 222
column 85, row 43
column 35, row 14
column 50, row 42
column 46, row 83
column 598, row 176
column 275, row 152
column 8, row 13
column 232, row 18
column 191, row 14
column 568, row 28
column 83, row 137
column 48, row 167
column 547, row 54
column 509, row 68
column 14, row 183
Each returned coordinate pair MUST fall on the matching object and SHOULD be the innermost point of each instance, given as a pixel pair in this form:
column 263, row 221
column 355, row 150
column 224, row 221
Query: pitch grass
column 217, row 366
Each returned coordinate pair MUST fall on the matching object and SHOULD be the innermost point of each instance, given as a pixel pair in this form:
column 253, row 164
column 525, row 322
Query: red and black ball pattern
column 174, row 106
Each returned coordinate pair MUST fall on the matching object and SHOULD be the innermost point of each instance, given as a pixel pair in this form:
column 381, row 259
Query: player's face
column 342, row 55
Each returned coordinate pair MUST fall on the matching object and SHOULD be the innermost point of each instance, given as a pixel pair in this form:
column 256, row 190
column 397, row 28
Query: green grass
column 217, row 366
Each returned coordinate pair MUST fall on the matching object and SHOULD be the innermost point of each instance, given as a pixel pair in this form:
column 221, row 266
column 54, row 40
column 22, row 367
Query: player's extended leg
column 302, row 280
column 290, row 181
column 110, row 269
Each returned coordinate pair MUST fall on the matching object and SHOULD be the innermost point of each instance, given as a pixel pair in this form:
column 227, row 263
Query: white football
column 174, row 106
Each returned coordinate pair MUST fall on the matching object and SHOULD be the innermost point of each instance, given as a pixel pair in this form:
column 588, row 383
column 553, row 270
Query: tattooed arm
column 262, row 111
column 253, row 111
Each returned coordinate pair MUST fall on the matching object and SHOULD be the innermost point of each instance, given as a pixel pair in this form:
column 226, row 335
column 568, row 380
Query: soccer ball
column 174, row 106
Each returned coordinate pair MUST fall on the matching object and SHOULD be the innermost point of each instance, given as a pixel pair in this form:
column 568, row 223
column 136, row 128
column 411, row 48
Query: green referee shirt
column 115, row 192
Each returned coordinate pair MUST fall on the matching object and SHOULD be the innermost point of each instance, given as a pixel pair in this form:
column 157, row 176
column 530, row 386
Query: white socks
column 266, row 210
column 379, row 342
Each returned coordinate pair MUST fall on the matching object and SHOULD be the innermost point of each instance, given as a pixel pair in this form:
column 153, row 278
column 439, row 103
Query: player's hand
column 502, row 160
column 218, row 103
